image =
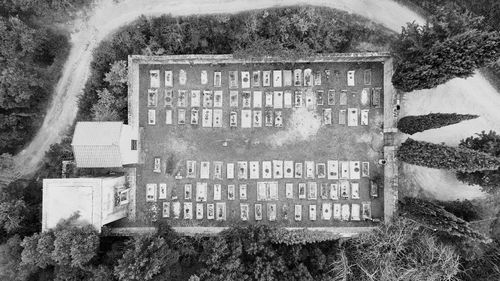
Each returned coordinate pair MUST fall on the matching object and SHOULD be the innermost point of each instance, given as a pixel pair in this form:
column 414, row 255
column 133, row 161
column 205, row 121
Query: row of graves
column 256, row 104
column 259, row 78
column 336, row 186
column 265, row 191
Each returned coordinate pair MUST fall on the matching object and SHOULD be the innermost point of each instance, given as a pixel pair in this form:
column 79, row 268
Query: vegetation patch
column 415, row 124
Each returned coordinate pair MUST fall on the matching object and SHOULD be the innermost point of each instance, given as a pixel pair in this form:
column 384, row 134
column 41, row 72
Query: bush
column 452, row 44
column 440, row 156
column 435, row 218
column 488, row 143
column 415, row 124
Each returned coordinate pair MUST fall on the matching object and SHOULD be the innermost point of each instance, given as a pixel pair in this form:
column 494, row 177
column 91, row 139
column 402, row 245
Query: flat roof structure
column 290, row 143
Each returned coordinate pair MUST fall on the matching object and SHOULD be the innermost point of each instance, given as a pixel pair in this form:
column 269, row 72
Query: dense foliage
column 419, row 123
column 489, row 143
column 436, row 218
column 440, row 156
column 451, row 44
column 285, row 32
column 32, row 51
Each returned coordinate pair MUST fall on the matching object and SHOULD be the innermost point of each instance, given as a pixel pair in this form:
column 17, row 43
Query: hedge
column 419, row 123
column 445, row 157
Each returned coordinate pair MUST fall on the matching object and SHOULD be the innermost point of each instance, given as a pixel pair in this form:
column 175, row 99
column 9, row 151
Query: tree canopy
column 451, row 44
column 419, row 123
column 440, row 156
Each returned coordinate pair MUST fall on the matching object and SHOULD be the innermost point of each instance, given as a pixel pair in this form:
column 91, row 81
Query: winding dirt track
column 107, row 16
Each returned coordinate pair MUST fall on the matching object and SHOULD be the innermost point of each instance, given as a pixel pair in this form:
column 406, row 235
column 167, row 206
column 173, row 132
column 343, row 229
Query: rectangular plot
column 298, row 170
column 181, row 116
column 244, row 211
column 319, row 97
column 176, row 209
column 233, row 98
column 154, row 79
column 258, row 212
column 182, row 77
column 168, row 117
column 217, row 122
column 218, row 170
column 309, row 169
column 344, row 189
column 364, row 117
column 266, row 78
column 334, row 191
column 267, row 170
column 233, row 79
column 302, row 191
column 204, row 77
column 343, row 97
column 242, row 170
column 326, row 211
column 188, row 210
column 333, row 169
column 201, row 192
column 246, row 99
column 261, row 191
column 257, row 118
column 169, row 97
column 231, row 191
column 271, row 212
column 207, row 99
column 352, row 117
column 346, row 212
column 190, row 169
column 162, row 191
column 298, row 212
column 182, row 98
column 312, row 212
column 220, row 211
column 166, row 210
column 365, row 169
column 256, row 78
column 254, row 169
column 312, row 188
column 257, row 99
column 204, row 170
column 350, row 78
column 331, row 97
column 317, row 78
column 188, row 191
column 277, row 82
column 246, row 118
column 344, row 169
column 287, row 78
column 327, row 116
column 308, row 79
column 230, row 170
column 207, row 118
column 298, row 99
column 152, row 97
column 151, row 117
column 354, row 170
column 289, row 190
column 195, row 98
column 277, row 169
column 297, row 77
column 337, row 212
column 217, row 191
column 243, row 192
column 355, row 190
column 245, row 79
column 355, row 212
column 218, row 98
column 199, row 211
column 210, row 211
column 288, row 167
column 194, row 116
column 342, row 116
column 320, row 170
column 169, row 79
column 217, row 79
column 151, row 192
column 233, row 119
column 278, row 99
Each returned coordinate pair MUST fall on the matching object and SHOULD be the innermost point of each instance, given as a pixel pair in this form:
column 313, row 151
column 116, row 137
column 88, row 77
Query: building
column 104, row 145
column 97, row 201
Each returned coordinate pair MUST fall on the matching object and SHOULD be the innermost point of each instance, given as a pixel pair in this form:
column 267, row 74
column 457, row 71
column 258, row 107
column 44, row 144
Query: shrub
column 415, row 124
column 440, row 156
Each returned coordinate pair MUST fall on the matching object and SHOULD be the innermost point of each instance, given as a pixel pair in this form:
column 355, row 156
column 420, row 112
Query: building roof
column 97, row 144
column 97, row 133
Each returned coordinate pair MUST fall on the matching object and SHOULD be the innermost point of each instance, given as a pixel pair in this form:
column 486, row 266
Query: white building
column 98, row 201
column 104, row 145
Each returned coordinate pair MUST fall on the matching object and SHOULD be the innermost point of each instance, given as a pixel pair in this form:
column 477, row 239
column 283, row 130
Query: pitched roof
column 97, row 144
column 97, row 133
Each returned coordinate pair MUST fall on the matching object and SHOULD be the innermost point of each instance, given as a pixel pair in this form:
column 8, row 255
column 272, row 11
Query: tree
column 104, row 109
column 452, row 44
column 439, row 156
column 489, row 143
column 12, row 215
column 148, row 258
column 415, row 124
column 10, row 259
column 400, row 250
column 65, row 246
column 436, row 219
